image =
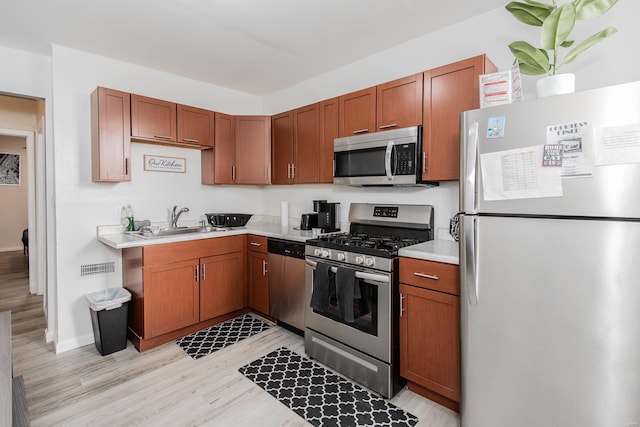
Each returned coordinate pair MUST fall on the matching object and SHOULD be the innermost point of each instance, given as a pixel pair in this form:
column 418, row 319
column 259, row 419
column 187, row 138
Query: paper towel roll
column 284, row 213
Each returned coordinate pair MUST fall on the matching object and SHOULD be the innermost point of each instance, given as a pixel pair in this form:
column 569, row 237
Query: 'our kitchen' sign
column 164, row 164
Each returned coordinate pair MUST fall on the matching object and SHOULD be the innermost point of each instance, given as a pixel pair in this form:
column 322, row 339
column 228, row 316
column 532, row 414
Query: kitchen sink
column 164, row 232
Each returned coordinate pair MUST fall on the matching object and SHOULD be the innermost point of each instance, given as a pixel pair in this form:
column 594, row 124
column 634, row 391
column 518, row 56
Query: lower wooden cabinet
column 258, row 282
column 221, row 289
column 179, row 288
column 430, row 330
column 171, row 298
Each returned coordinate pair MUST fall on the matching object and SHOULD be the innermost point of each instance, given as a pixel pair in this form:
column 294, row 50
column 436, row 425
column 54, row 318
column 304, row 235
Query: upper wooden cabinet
column 391, row 105
column 110, row 129
column 195, row 126
column 295, row 144
column 328, row 132
column 253, row 150
column 448, row 91
column 282, row 140
column 218, row 164
column 153, row 119
column 357, row 112
column 399, row 103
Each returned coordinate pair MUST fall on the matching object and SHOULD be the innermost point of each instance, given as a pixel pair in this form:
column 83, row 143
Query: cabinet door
column 258, row 282
column 224, row 151
column 399, row 103
column 328, row 132
column 357, row 112
column 282, row 140
column 153, row 119
column 306, row 126
column 221, row 285
column 430, row 340
column 448, row 91
column 171, row 297
column 195, row 126
column 110, row 136
column 253, row 149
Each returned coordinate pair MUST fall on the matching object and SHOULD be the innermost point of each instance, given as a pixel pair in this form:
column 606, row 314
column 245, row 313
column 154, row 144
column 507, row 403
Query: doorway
column 22, row 120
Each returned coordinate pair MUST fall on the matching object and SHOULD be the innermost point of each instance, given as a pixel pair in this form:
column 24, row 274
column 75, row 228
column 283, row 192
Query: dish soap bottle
column 130, row 224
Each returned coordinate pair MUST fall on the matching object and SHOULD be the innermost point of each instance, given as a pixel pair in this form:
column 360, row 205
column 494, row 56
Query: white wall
column 81, row 204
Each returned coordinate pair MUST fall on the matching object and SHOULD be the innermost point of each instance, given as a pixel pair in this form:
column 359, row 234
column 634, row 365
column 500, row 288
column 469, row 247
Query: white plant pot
column 556, row 85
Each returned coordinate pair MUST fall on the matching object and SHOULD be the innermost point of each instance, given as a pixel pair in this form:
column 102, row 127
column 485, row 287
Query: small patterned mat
column 206, row 341
column 319, row 396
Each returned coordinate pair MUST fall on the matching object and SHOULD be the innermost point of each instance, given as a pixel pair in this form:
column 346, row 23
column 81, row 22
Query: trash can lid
column 108, row 299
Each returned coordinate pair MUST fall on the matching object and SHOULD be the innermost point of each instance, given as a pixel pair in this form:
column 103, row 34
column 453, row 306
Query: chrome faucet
column 175, row 216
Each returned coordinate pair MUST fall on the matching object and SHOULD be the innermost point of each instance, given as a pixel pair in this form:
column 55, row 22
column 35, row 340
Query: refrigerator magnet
column 495, row 128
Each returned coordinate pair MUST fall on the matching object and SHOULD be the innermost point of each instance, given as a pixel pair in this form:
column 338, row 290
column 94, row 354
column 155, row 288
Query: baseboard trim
column 73, row 343
column 16, row 248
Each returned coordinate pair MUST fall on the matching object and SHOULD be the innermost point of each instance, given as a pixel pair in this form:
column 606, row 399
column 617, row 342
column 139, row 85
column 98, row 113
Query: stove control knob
column 317, row 252
column 326, row 253
column 342, row 256
column 369, row 262
column 359, row 259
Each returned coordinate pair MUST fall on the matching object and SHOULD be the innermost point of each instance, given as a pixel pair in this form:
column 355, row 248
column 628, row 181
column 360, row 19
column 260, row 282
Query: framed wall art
column 10, row 164
column 165, row 164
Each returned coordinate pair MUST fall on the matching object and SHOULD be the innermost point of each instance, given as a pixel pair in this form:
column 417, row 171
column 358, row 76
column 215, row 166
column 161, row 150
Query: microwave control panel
column 405, row 159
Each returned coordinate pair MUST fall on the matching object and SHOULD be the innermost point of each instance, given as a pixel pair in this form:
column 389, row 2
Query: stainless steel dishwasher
column 286, row 282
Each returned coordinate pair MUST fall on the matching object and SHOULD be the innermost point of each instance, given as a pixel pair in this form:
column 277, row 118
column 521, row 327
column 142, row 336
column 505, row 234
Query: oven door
column 382, row 158
column 370, row 331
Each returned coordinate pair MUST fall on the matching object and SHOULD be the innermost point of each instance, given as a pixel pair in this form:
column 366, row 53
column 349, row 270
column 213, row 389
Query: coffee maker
column 327, row 215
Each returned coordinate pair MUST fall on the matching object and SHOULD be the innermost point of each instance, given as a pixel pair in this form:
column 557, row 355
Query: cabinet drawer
column 180, row 251
column 436, row 276
column 257, row 243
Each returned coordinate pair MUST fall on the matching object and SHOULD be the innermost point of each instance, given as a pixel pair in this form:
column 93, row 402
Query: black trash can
column 109, row 309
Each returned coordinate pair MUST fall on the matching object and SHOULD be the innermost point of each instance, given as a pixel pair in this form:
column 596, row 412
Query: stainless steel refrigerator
column 550, row 261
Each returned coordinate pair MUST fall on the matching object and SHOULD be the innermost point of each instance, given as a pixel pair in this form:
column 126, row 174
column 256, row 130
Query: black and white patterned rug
column 319, row 396
column 206, row 341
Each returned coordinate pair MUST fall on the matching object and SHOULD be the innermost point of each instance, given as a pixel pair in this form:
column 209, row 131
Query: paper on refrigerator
column 618, row 145
column 518, row 174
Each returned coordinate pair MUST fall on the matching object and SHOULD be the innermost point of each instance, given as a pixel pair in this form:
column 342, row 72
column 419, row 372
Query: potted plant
column 557, row 22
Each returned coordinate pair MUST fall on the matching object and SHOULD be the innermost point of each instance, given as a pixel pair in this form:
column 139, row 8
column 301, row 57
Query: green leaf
column 581, row 47
column 557, row 27
column 530, row 14
column 567, row 43
column 587, row 9
column 532, row 61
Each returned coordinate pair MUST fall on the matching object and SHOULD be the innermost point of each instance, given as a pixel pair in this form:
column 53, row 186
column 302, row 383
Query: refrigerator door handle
column 470, row 247
column 469, row 172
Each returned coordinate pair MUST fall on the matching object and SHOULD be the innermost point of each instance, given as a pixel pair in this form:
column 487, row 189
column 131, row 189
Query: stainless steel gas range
column 353, row 303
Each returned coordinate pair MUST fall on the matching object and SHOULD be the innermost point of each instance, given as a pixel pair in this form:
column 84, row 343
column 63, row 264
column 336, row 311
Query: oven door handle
column 381, row 278
column 387, row 160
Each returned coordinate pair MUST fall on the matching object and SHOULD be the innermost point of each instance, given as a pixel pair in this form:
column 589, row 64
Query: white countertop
column 112, row 235
column 435, row 250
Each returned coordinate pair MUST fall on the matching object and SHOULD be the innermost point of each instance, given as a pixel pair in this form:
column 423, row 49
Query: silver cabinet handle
column 197, row 273
column 293, row 171
column 233, row 173
column 288, row 170
column 255, row 244
column 392, row 125
column 424, row 162
column 360, row 131
column 401, row 304
column 162, row 137
column 427, row 276
column 190, row 140
column 126, row 166
column 204, row 272
column 264, row 268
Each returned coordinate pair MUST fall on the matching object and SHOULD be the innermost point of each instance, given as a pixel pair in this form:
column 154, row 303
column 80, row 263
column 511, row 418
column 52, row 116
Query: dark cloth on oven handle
column 345, row 292
column 322, row 279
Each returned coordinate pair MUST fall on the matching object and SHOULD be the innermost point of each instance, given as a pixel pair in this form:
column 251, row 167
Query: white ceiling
column 254, row 46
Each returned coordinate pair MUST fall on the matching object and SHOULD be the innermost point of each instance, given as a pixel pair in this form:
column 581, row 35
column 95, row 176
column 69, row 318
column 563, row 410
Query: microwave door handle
column 387, row 160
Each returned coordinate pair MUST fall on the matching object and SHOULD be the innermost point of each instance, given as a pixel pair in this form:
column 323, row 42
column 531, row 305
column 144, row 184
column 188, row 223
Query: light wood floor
column 160, row 387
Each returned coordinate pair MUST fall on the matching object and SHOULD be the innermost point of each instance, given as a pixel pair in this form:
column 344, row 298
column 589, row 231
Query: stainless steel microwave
column 392, row 157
